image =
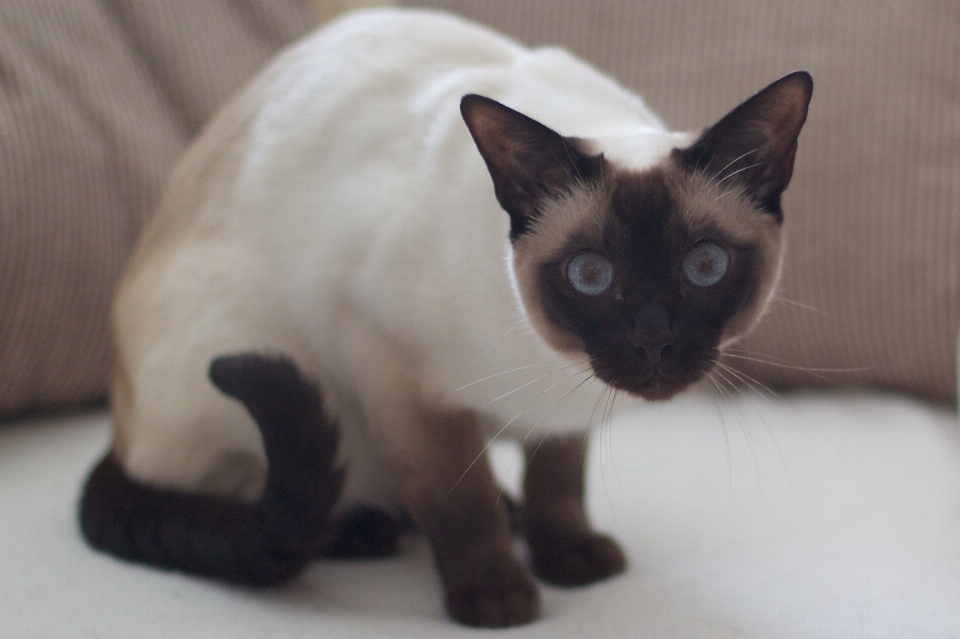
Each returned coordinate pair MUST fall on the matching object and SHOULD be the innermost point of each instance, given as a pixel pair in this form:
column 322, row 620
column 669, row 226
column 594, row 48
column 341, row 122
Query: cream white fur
column 339, row 212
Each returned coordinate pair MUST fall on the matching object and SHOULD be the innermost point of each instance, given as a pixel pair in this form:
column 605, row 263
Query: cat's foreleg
column 436, row 456
column 448, row 488
column 565, row 549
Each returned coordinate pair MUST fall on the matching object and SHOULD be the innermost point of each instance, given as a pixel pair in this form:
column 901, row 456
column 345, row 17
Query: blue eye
column 706, row 264
column 589, row 273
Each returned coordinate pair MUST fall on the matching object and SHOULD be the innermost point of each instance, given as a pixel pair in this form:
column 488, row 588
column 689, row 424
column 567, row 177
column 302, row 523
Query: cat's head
column 648, row 272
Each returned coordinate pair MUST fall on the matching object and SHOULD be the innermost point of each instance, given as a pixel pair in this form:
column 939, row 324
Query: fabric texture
column 871, row 289
column 97, row 100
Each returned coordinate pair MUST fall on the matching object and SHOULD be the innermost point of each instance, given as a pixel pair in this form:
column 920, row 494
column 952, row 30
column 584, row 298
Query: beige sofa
column 782, row 512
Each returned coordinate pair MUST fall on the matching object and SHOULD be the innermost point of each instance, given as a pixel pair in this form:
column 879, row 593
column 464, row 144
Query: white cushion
column 812, row 516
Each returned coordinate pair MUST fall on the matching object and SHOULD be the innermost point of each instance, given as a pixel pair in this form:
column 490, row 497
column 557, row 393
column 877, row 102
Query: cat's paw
column 496, row 599
column 576, row 560
column 365, row 532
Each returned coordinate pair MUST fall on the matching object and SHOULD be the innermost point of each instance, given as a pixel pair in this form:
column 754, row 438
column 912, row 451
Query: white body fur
column 338, row 212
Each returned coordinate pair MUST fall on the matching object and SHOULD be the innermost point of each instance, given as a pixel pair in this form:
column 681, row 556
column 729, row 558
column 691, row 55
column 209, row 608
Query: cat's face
column 649, row 273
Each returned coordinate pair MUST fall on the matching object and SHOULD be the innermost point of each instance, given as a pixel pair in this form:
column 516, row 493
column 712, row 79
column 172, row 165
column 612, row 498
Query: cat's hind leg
column 259, row 543
column 366, row 532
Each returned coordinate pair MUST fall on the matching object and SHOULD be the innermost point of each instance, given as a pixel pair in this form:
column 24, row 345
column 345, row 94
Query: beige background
column 97, row 99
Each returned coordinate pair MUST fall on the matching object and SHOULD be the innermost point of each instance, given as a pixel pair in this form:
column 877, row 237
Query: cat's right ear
column 528, row 161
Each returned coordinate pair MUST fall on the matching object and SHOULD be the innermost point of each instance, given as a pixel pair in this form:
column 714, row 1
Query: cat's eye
column 590, row 273
column 706, row 264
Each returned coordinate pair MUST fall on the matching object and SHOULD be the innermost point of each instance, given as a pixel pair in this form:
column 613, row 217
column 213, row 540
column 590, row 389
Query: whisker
column 557, row 403
column 726, row 435
column 746, row 436
column 724, row 194
column 808, row 369
column 603, row 479
column 591, row 378
column 713, row 182
column 731, row 163
column 535, row 380
column 778, row 298
column 759, row 386
column 507, row 425
column 533, row 428
column 613, row 460
column 539, row 419
column 741, row 376
column 752, row 383
column 512, row 370
column 549, row 431
column 746, row 168
column 503, row 333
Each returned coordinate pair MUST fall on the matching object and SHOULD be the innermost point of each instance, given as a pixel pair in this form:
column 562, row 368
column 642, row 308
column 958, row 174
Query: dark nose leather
column 652, row 335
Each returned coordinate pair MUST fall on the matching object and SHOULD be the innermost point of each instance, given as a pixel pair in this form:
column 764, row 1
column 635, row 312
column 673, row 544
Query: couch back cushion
column 97, row 100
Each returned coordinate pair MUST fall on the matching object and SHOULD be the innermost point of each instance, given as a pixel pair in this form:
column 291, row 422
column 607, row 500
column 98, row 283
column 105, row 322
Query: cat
column 408, row 236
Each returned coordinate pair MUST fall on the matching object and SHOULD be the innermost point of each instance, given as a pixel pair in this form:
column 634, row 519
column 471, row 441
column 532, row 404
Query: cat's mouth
column 654, row 384
column 659, row 387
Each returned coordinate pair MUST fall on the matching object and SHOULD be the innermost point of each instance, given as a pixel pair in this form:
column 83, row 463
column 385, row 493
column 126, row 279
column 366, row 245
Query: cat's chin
column 659, row 391
column 656, row 387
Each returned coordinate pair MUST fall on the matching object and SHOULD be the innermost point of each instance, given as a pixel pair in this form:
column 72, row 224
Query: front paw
column 498, row 597
column 575, row 560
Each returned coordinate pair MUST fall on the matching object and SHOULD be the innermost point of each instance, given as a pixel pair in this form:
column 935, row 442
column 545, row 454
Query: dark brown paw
column 365, row 532
column 576, row 561
column 504, row 598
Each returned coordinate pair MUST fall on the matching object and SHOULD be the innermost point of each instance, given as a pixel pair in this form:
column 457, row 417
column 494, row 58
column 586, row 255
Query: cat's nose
column 655, row 350
column 652, row 337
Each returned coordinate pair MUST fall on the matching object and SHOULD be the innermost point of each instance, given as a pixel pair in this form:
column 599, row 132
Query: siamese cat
column 411, row 235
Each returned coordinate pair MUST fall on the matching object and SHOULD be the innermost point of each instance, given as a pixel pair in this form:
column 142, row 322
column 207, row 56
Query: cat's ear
column 754, row 145
column 528, row 161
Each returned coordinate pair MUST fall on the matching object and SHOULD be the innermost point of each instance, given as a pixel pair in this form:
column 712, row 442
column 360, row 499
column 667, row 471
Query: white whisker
column 808, row 369
column 746, row 168
column 746, row 435
column 512, row 370
column 509, row 329
column 778, row 298
column 731, row 163
column 741, row 376
column 534, row 381
column 507, row 425
column 726, row 435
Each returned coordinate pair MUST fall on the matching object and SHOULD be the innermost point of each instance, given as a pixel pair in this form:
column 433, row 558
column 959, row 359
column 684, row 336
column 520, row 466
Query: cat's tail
column 255, row 544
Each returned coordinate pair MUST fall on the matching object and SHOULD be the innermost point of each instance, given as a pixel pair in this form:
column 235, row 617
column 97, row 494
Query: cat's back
column 411, row 54
column 372, row 98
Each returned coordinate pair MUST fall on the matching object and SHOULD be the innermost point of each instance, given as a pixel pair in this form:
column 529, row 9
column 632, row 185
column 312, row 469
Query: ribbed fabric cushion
column 97, row 99
column 872, row 278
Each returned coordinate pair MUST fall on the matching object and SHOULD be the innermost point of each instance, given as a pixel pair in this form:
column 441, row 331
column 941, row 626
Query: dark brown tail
column 255, row 544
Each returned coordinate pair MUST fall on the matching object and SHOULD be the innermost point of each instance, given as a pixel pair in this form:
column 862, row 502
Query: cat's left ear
column 754, row 146
column 528, row 161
